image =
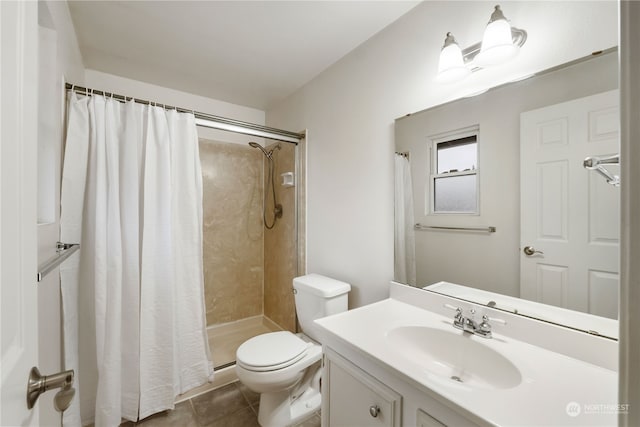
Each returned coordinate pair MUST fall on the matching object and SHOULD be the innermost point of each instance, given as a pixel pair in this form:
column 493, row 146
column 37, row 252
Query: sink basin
column 454, row 357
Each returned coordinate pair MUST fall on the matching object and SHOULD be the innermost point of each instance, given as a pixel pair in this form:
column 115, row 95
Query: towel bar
column 419, row 226
column 64, row 251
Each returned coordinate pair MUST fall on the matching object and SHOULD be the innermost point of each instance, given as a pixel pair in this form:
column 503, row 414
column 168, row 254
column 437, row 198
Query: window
column 454, row 173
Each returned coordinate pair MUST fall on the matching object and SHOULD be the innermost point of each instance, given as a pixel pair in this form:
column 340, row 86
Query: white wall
column 59, row 59
column 349, row 111
column 55, row 15
column 489, row 261
column 128, row 87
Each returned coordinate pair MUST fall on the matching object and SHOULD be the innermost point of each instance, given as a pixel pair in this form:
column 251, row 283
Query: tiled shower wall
column 233, row 231
column 280, row 246
column 248, row 269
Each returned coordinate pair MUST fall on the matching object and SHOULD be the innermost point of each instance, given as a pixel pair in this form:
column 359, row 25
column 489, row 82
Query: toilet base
column 287, row 407
column 276, row 409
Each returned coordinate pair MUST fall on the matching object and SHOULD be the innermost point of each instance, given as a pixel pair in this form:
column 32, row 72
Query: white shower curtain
column 404, row 245
column 133, row 301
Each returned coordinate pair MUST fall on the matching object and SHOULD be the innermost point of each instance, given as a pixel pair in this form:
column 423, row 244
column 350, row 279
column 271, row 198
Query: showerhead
column 256, row 145
column 269, row 153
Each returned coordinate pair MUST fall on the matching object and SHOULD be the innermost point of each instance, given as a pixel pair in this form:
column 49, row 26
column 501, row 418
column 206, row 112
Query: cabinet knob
column 374, row 410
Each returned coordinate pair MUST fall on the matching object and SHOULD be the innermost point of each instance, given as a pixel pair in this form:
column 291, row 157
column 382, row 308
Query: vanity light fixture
column 500, row 43
column 451, row 67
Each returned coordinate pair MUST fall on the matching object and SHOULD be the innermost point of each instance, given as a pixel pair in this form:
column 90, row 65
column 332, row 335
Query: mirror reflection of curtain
column 404, row 245
column 133, row 301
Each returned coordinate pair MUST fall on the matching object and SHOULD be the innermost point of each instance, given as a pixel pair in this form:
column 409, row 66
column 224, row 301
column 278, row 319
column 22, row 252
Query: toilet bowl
column 275, row 366
column 285, row 368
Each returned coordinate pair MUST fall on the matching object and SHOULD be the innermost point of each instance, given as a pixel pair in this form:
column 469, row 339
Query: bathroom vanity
column 401, row 362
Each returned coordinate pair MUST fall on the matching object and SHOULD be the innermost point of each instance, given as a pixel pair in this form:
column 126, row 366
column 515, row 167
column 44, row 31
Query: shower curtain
column 133, row 301
column 404, row 245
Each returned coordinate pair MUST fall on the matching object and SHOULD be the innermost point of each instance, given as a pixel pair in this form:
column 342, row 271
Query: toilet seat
column 272, row 351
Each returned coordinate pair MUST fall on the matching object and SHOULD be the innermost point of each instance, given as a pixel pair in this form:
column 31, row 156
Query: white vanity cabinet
column 358, row 392
column 356, row 398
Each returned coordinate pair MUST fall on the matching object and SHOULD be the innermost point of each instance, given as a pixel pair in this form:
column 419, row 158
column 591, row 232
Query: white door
column 568, row 213
column 18, row 237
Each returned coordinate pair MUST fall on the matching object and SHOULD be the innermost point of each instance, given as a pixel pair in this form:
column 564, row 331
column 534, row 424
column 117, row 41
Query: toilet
column 285, row 368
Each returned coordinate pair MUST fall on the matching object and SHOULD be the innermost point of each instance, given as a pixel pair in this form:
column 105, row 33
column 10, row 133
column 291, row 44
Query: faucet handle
column 458, row 319
column 485, row 327
column 458, row 310
column 452, row 307
column 494, row 319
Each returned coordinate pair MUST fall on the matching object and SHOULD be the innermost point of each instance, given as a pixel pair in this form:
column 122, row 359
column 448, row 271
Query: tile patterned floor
column 233, row 405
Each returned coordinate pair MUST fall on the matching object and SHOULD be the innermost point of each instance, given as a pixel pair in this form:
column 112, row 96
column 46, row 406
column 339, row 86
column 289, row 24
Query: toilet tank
column 318, row 296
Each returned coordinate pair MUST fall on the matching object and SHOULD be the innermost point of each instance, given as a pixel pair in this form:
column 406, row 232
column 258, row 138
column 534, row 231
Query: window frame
column 433, row 175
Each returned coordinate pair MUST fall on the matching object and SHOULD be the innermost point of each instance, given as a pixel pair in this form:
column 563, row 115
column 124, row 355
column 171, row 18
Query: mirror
column 527, row 231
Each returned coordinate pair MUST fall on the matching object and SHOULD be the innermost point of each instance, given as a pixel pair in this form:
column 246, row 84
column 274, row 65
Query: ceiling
column 252, row 53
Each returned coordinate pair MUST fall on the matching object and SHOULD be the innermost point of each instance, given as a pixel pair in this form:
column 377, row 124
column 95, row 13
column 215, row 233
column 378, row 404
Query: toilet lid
column 272, row 350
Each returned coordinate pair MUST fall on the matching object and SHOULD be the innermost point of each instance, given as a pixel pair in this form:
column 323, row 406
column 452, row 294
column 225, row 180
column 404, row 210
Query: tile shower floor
column 225, row 339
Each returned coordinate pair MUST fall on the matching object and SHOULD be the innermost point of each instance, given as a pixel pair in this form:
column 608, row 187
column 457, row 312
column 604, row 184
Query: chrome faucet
column 469, row 324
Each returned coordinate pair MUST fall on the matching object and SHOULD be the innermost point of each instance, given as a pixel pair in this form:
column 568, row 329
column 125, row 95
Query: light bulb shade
column 497, row 42
column 451, row 66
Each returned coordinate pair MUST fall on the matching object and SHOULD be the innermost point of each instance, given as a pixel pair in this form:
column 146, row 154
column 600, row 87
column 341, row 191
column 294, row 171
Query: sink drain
column 456, row 378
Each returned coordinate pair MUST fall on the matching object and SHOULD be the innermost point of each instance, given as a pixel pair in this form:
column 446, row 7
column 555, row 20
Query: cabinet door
column 356, row 399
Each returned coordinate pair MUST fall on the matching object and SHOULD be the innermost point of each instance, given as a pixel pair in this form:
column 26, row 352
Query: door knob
column 530, row 250
column 38, row 384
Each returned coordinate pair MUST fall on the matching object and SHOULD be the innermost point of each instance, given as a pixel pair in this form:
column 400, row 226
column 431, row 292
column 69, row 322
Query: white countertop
column 550, row 381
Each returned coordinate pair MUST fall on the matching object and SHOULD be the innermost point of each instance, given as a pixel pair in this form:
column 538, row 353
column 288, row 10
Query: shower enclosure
column 251, row 245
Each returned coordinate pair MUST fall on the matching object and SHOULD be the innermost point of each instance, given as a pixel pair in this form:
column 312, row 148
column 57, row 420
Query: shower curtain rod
column 206, row 120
